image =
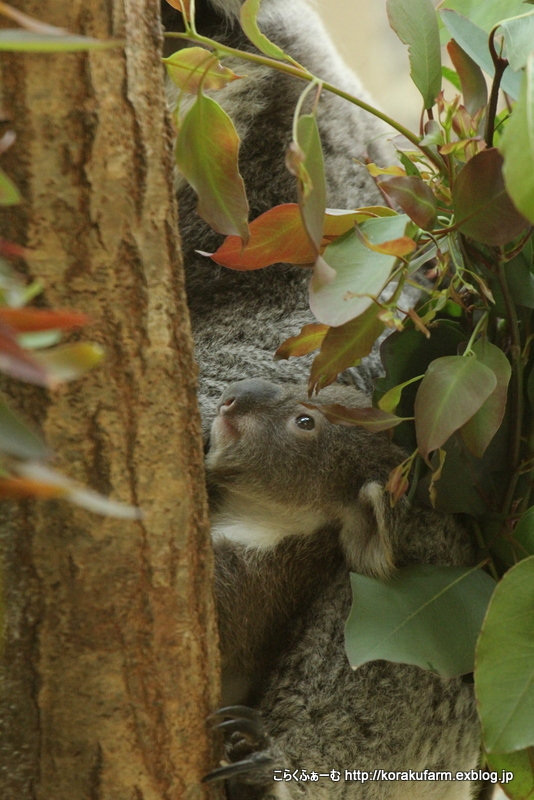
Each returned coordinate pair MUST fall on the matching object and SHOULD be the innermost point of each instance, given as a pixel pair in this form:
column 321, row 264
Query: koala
column 240, row 318
column 296, row 504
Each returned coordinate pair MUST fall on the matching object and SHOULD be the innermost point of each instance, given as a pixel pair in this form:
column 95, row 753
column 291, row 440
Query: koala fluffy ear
column 367, row 533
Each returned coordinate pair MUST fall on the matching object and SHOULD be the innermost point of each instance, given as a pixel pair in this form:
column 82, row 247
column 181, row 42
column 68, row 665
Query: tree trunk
column 111, row 649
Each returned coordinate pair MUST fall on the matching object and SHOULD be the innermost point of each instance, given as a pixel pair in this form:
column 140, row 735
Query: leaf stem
column 517, row 386
column 500, row 65
column 304, row 75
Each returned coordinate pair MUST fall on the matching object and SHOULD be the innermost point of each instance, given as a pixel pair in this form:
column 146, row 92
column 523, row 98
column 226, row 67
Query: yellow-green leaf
column 193, row 67
column 206, row 153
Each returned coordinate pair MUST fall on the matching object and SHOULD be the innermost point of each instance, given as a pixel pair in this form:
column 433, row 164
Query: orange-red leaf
column 275, row 236
column 21, row 488
column 39, row 319
column 395, row 247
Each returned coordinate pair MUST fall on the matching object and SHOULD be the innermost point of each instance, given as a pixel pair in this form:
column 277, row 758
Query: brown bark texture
column 110, row 653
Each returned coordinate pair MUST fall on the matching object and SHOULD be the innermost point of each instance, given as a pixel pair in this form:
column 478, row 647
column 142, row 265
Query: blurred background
column 361, row 33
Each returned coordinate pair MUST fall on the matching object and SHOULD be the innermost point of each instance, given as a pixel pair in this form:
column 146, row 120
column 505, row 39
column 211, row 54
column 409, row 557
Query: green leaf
column 481, row 200
column 391, row 399
column 452, row 76
column 9, row 194
column 415, row 198
column 206, row 153
column 520, row 279
column 478, row 432
column 472, row 83
column 309, row 339
column 359, row 271
column 504, row 674
column 520, row 769
column 416, row 24
column 474, row 41
column 428, row 616
column 453, row 389
column 519, row 38
column 69, row 361
column 249, row 13
column 18, row 440
column 16, row 40
column 517, row 147
column 195, row 67
column 307, row 164
column 524, row 533
column 372, row 419
column 344, row 346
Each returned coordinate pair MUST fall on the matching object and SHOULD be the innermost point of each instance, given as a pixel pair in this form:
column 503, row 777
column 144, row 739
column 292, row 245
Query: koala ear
column 367, row 533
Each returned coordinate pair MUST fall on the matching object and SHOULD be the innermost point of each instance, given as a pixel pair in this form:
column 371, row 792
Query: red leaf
column 415, row 198
column 38, row 319
column 481, row 200
column 472, row 80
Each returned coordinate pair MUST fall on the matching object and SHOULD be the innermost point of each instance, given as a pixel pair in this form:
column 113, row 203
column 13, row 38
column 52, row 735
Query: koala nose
column 247, row 395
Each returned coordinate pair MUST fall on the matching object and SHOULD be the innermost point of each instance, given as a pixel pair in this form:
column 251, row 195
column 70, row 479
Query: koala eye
column 305, row 422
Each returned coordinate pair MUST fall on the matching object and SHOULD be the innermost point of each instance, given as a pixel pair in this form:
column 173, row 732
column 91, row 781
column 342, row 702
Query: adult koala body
column 239, row 319
column 297, row 503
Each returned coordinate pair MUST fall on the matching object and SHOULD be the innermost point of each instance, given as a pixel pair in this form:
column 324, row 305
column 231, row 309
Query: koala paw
column 251, row 758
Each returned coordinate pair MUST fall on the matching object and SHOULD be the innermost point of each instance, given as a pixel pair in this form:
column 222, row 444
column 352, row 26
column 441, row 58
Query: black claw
column 237, row 712
column 245, row 726
column 246, row 765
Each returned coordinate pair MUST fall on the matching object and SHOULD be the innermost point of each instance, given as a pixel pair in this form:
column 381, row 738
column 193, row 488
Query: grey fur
column 239, row 319
column 282, row 605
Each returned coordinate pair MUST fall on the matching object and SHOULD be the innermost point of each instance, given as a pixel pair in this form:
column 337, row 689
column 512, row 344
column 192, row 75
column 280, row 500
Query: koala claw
column 254, row 762
column 251, row 729
column 237, row 712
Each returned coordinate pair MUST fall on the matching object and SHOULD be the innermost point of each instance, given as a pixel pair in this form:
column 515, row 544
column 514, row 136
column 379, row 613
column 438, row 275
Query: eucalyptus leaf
column 521, row 765
column 312, row 202
column 17, row 439
column 359, row 271
column 428, row 616
column 474, row 41
column 519, row 38
column 504, row 673
column 249, row 24
column 517, row 147
column 17, row 40
column 344, row 346
column 471, row 80
column 478, row 432
column 452, row 391
column 206, row 154
column 483, row 207
column 9, row 194
column 416, row 24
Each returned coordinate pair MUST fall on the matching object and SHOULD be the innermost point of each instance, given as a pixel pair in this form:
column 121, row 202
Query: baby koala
column 296, row 504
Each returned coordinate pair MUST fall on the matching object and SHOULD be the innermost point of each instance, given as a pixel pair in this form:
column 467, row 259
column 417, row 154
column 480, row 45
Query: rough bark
column 110, row 649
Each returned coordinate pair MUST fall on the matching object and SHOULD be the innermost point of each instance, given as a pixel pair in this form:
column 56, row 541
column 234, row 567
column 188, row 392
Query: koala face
column 267, row 442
